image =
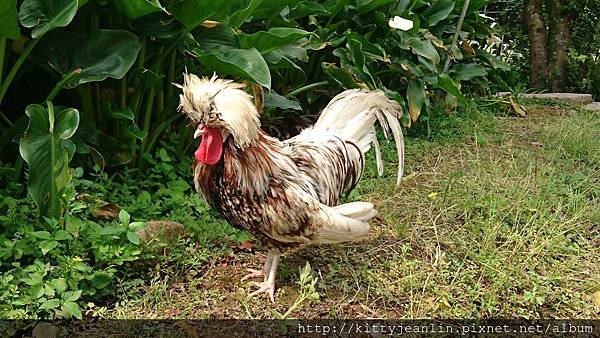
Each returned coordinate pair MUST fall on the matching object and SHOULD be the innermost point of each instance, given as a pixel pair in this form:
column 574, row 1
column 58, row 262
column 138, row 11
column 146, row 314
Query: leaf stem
column 15, row 68
column 59, row 86
column 306, row 88
column 2, row 56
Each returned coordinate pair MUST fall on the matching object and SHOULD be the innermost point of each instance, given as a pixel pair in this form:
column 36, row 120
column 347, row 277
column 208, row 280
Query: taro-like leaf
column 415, row 95
column 244, row 63
column 191, row 13
column 136, row 8
column 439, row 11
column 45, row 15
column 47, row 150
column 9, row 26
column 274, row 38
column 364, row 6
column 99, row 55
column 447, row 84
column 425, row 49
column 342, row 76
column 274, row 100
column 245, row 10
column 466, row 72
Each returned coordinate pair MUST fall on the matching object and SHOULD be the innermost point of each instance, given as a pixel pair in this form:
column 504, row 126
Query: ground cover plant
column 98, row 213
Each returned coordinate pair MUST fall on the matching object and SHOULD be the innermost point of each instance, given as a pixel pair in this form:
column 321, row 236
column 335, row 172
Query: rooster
column 286, row 193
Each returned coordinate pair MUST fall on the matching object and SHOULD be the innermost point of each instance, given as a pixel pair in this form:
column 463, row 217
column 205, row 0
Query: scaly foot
column 254, row 274
column 264, row 287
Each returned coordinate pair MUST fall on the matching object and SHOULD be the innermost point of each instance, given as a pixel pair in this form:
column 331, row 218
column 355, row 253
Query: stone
column 594, row 106
column 569, row 97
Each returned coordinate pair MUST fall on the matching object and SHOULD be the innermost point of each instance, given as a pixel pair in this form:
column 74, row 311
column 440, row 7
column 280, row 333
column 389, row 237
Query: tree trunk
column 538, row 45
column 560, row 32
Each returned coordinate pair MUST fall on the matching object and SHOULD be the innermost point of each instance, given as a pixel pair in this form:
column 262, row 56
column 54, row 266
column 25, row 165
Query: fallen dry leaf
column 108, row 211
column 246, row 245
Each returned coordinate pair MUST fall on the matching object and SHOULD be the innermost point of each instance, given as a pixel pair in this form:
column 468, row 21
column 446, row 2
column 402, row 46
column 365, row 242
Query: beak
column 199, row 131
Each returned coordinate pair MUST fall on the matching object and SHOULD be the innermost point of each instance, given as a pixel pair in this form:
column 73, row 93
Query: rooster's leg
column 264, row 271
column 268, row 285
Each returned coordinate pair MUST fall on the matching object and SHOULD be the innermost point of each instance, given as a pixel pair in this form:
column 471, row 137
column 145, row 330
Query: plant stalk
column 458, row 28
column 2, row 56
column 59, row 86
column 306, row 88
column 15, row 68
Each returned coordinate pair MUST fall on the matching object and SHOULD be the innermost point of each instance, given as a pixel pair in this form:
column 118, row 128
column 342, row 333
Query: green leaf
column 102, row 54
column 62, row 235
column 71, row 309
column 447, row 84
column 136, row 8
column 274, row 38
column 239, row 16
column 9, row 26
column 415, row 94
column 42, row 235
column 425, row 49
column 274, row 100
column 47, row 246
column 135, row 226
column 244, row 63
column 439, row 11
column 45, row 15
column 191, row 13
column 135, row 131
column 342, row 76
column 49, row 304
column 60, row 284
column 466, row 72
column 124, row 217
column 71, row 296
column 364, row 6
column 133, row 237
column 47, row 150
column 101, row 279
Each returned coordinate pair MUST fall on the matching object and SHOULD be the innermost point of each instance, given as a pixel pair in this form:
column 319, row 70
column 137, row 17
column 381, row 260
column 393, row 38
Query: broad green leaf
column 49, row 304
column 447, row 84
column 425, row 49
column 466, row 72
column 9, row 27
column 71, row 309
column 415, row 95
column 439, row 11
column 306, row 8
column 101, row 279
column 62, row 235
column 274, row 38
column 124, row 217
column 191, row 13
column 47, row 149
column 135, row 131
column 99, row 55
column 47, row 246
column 342, row 76
column 136, row 8
column 244, row 63
column 60, row 284
column 239, row 16
column 133, row 237
column 45, row 15
column 364, row 6
column 71, row 296
column 274, row 100
column 42, row 235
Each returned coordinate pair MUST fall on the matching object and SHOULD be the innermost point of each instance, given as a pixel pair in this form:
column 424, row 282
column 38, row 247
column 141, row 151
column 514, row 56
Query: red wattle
column 211, row 146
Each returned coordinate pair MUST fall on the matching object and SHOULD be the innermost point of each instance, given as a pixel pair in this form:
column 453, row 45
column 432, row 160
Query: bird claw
column 253, row 274
column 264, row 287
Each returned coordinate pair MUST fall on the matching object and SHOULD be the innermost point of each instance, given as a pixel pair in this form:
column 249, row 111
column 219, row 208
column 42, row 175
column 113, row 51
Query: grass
column 496, row 217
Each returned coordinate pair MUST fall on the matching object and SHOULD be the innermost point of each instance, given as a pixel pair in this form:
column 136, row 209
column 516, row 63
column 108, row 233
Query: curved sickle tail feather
column 352, row 114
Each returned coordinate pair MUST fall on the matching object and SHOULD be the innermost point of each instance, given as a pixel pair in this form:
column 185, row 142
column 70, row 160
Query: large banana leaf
column 8, row 25
column 45, row 15
column 47, row 149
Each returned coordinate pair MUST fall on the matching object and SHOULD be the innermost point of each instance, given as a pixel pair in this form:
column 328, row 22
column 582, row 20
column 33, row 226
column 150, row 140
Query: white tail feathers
column 346, row 222
column 352, row 114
